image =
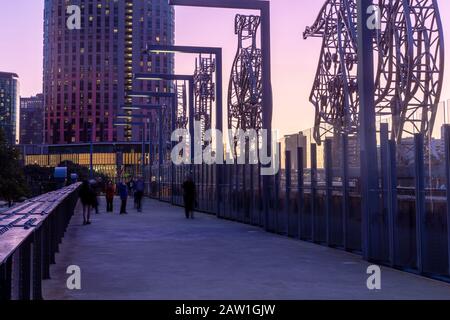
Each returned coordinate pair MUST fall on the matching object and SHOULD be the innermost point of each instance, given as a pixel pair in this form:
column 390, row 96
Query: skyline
column 294, row 60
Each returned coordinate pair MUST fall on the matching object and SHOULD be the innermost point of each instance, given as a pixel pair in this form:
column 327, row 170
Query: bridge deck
column 160, row 255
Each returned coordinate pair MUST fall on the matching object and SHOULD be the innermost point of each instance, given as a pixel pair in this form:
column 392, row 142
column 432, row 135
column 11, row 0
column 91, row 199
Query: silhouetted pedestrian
column 123, row 193
column 139, row 193
column 110, row 192
column 189, row 197
column 87, row 197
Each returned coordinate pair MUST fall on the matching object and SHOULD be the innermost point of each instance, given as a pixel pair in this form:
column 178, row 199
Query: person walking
column 189, row 197
column 95, row 203
column 109, row 193
column 123, row 193
column 87, row 197
column 139, row 194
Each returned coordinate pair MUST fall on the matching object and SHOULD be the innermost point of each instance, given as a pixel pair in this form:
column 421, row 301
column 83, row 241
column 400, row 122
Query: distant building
column 292, row 143
column 32, row 120
column 88, row 71
column 9, row 105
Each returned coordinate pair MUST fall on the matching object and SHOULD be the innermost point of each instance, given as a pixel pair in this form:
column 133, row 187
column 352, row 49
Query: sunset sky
column 294, row 60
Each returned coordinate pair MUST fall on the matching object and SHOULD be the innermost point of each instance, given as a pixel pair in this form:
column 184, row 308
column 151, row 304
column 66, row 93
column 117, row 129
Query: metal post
column 37, row 265
column 420, row 198
column 329, row 188
column 172, row 175
column 160, row 153
column 91, row 153
column 447, row 174
column 143, row 152
column 367, row 130
column 277, row 192
column 384, row 146
column 392, row 201
column 345, row 191
column 313, row 190
column 25, row 271
column 5, row 280
column 300, row 190
column 288, row 168
column 219, row 126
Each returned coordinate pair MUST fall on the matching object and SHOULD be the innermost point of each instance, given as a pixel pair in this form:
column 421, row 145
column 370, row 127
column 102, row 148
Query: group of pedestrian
column 89, row 196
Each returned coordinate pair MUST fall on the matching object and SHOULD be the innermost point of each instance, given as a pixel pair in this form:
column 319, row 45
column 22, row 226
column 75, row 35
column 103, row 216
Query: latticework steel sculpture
column 204, row 90
column 245, row 88
column 409, row 63
column 181, row 114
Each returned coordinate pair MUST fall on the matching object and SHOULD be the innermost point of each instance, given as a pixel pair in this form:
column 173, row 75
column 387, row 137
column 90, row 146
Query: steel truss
column 409, row 60
column 245, row 92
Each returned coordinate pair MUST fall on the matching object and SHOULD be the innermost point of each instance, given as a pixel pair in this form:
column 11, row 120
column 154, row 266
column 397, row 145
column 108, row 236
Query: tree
column 12, row 180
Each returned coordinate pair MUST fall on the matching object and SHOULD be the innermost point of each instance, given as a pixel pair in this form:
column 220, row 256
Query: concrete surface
column 158, row 254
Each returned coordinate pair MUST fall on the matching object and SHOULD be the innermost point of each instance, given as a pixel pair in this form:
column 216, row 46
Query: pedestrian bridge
column 158, row 254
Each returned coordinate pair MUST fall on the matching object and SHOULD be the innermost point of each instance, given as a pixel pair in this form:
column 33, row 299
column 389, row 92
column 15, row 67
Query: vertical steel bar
column 5, row 280
column 329, row 188
column 392, row 201
column 313, row 190
column 420, row 198
column 384, row 161
column 300, row 190
column 288, row 168
column 25, row 271
column 367, row 130
column 447, row 174
column 37, row 265
column 345, row 190
column 219, row 127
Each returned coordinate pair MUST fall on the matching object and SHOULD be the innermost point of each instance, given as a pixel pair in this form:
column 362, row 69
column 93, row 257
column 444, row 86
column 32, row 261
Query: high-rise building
column 32, row 120
column 9, row 105
column 88, row 71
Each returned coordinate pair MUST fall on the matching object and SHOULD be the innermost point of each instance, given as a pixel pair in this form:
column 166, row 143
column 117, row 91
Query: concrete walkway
column 160, row 255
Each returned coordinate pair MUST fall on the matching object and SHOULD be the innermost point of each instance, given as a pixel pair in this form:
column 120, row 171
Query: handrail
column 38, row 223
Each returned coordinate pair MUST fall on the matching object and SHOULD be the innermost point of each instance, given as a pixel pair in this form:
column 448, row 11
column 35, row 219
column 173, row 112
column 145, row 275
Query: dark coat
column 88, row 196
column 189, row 194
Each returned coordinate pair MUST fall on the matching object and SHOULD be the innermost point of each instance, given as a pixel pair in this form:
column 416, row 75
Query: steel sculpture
column 204, row 90
column 409, row 61
column 182, row 118
column 245, row 93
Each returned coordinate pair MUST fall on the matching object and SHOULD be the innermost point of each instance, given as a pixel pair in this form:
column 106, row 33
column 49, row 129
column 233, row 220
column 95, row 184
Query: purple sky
column 294, row 61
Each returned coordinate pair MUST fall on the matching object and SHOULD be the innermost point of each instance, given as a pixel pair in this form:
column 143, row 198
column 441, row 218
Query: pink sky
column 294, row 60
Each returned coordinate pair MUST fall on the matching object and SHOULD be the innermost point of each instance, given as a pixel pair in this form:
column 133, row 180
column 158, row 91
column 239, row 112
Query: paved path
column 160, row 255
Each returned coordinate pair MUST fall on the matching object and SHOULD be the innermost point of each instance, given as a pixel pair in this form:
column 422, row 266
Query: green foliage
column 12, row 180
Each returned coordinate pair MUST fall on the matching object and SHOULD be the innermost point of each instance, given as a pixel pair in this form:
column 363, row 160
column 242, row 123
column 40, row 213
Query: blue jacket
column 123, row 191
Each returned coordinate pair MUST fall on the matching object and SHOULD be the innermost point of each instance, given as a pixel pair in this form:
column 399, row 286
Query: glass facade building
column 32, row 120
column 9, row 106
column 88, row 71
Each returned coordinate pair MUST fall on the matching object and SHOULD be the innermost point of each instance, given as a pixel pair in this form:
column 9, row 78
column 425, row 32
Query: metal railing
column 30, row 234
